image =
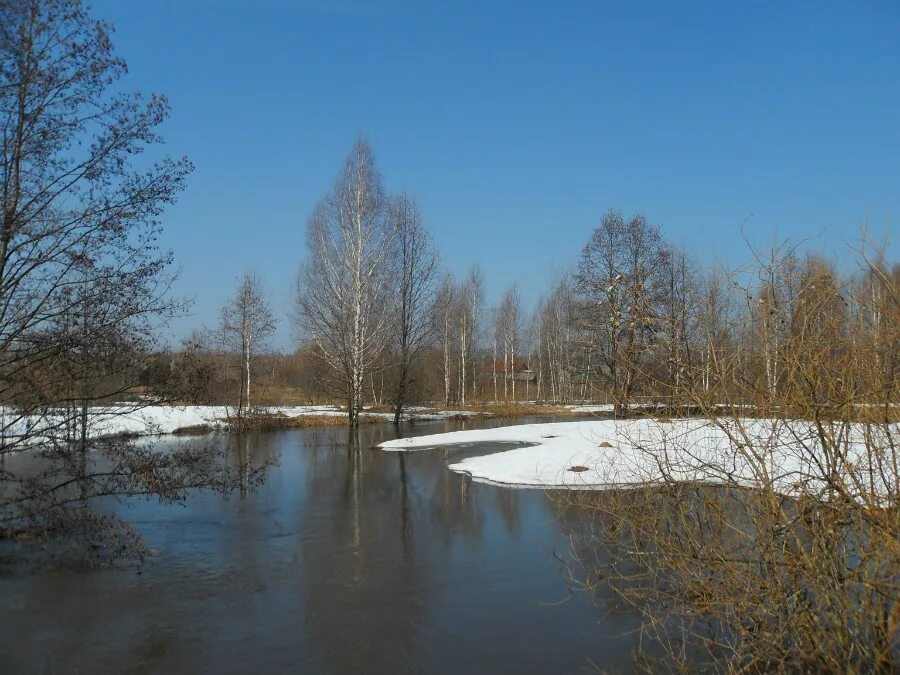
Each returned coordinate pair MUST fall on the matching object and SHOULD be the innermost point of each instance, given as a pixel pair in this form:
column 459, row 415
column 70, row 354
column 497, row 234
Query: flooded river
column 342, row 561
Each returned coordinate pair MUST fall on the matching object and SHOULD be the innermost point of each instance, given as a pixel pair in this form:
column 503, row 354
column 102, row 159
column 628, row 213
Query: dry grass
column 279, row 421
column 197, row 430
column 270, row 395
column 379, row 408
column 515, row 410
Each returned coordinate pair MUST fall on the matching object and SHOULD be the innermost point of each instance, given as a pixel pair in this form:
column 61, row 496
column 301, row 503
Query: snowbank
column 590, row 408
column 610, row 453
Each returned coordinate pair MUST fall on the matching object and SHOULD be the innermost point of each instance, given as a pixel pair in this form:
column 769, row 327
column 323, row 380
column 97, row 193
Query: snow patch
column 619, row 453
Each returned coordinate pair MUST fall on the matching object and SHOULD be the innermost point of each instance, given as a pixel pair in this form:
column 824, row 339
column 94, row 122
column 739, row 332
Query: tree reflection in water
column 346, row 558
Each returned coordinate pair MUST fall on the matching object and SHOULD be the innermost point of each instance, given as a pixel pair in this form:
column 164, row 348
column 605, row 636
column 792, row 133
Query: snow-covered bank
column 609, row 408
column 148, row 420
column 608, row 453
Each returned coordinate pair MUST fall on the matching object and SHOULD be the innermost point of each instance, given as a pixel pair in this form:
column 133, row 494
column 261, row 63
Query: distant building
column 518, row 370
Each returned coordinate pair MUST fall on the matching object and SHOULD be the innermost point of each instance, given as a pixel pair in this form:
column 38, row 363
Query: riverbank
column 146, row 419
column 156, row 420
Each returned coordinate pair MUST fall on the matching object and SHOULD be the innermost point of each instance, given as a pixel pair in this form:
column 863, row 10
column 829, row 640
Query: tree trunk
column 446, row 361
column 463, row 346
column 506, row 371
column 512, row 358
column 247, row 376
column 398, row 403
column 494, row 369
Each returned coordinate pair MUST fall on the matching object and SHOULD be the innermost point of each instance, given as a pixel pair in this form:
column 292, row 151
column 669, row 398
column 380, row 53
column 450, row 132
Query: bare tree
column 416, row 276
column 870, row 307
column 246, row 325
column 508, row 330
column 715, row 330
column 468, row 309
column 444, row 319
column 555, row 344
column 83, row 286
column 677, row 320
column 345, row 281
column 771, row 312
column 618, row 285
column 500, row 329
column 475, row 287
column 494, row 340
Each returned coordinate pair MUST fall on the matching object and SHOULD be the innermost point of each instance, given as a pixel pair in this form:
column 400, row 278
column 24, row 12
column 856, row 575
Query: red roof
column 516, row 366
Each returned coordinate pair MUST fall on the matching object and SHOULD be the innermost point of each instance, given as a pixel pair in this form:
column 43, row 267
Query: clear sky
column 517, row 124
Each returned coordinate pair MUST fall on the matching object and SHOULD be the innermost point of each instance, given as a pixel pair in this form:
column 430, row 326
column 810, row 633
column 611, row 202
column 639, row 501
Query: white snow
column 589, row 408
column 745, row 451
column 145, row 420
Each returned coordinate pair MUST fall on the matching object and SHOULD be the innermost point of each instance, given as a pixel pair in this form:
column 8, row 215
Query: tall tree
column 714, row 319
column 779, row 273
column 345, row 281
column 83, row 285
column 618, row 284
column 555, row 343
column 416, row 278
column 468, row 309
column 508, row 329
column 443, row 317
column 677, row 319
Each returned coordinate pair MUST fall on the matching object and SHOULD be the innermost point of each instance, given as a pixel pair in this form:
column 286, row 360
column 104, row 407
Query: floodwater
column 342, row 561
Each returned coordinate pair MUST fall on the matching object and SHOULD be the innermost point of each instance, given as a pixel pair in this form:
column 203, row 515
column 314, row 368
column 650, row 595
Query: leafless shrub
column 782, row 552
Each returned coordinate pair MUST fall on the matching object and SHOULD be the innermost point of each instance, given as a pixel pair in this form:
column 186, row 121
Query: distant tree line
column 637, row 320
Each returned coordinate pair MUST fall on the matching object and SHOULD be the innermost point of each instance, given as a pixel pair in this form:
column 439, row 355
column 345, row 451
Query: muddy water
column 343, row 561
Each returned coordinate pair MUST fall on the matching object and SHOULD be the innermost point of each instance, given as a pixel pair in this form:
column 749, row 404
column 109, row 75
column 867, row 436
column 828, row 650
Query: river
column 342, row 561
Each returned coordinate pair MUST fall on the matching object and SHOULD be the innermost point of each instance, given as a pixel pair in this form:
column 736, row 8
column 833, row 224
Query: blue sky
column 516, row 125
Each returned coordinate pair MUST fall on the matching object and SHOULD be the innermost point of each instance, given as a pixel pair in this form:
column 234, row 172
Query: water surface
column 342, row 561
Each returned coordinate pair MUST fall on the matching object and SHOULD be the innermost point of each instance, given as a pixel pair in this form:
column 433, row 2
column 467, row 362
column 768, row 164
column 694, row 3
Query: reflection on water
column 346, row 559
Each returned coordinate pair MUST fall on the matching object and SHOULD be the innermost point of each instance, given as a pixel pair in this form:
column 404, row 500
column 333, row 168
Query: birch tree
column 778, row 273
column 714, row 330
column 443, row 318
column 345, row 282
column 507, row 330
column 871, row 300
column 247, row 324
column 476, row 302
column 468, row 309
column 495, row 328
column 554, row 344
